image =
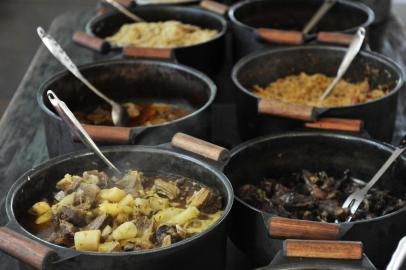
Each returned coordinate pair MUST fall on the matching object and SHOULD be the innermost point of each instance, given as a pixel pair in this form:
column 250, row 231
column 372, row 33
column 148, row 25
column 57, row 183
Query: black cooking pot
column 280, row 155
column 260, row 117
column 206, row 56
column 381, row 8
column 127, row 80
column 203, row 251
column 248, row 16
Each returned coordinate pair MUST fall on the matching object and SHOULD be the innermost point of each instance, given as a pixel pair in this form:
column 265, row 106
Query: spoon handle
column 398, row 151
column 57, row 51
column 352, row 51
column 327, row 5
column 125, row 11
column 70, row 119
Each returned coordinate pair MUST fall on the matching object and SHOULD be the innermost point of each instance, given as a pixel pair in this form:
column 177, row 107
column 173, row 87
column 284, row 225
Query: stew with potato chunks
column 99, row 213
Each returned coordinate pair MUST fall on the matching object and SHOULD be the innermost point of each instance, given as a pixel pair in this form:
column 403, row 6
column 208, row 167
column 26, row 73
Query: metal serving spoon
column 352, row 51
column 69, row 118
column 118, row 113
column 327, row 5
column 356, row 198
column 124, row 10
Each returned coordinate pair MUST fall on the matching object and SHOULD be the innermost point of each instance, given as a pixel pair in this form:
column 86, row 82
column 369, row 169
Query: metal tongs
column 356, row 198
column 69, row 118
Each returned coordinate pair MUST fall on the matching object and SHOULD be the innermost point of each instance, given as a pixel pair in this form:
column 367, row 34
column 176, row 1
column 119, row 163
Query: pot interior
column 294, row 14
column 264, row 68
column 129, row 80
column 284, row 154
column 151, row 161
column 108, row 24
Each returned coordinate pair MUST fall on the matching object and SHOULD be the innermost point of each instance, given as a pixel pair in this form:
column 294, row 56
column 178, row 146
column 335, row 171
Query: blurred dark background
column 19, row 41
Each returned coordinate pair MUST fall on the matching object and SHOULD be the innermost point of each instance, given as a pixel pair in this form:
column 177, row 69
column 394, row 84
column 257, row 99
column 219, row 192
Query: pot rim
column 179, row 9
column 343, row 137
column 359, row 6
column 197, row 74
column 366, row 54
column 19, row 183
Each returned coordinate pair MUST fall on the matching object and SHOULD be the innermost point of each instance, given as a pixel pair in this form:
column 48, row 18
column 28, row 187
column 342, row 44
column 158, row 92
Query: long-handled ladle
column 69, row 118
column 119, row 114
column 352, row 51
column 327, row 5
column 124, row 10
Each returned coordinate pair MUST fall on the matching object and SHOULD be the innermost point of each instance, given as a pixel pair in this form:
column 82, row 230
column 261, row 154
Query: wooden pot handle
column 200, row 147
column 132, row 51
column 349, row 125
column 25, row 249
column 280, row 36
column 344, row 250
column 337, row 38
column 108, row 134
column 214, row 6
column 279, row 227
column 287, row 110
column 91, row 42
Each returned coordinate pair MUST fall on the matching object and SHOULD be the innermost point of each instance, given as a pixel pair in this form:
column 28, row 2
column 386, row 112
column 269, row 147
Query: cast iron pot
column 202, row 251
column 251, row 22
column 260, row 117
column 125, row 80
column 206, row 56
column 381, row 8
column 282, row 154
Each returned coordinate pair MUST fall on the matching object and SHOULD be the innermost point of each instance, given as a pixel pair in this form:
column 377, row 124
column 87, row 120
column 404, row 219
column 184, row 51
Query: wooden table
column 22, row 140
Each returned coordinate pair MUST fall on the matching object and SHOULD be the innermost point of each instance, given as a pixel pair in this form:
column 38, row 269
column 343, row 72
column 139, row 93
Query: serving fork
column 356, row 198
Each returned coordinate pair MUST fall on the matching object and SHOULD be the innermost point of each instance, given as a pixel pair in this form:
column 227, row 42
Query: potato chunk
column 166, row 214
column 113, row 195
column 126, row 230
column 47, row 216
column 108, row 247
column 127, row 200
column 87, row 240
column 40, row 208
column 189, row 213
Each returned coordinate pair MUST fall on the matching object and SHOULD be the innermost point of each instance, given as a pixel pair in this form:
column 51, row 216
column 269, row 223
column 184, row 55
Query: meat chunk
column 166, row 188
column 98, row 222
column 73, row 215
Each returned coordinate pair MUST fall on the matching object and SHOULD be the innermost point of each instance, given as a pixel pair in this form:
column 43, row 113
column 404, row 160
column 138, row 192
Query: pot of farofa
column 279, row 90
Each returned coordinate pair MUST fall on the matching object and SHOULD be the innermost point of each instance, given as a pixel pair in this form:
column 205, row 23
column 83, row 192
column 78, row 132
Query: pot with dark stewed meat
column 292, row 186
column 298, row 178
column 166, row 210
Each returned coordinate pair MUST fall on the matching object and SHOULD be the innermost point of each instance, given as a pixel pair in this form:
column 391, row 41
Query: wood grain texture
column 335, row 38
column 132, row 51
column 349, row 125
column 25, row 249
column 302, row 229
column 287, row 110
column 91, row 42
column 108, row 134
column 214, row 6
column 200, row 147
column 280, row 36
column 344, row 250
